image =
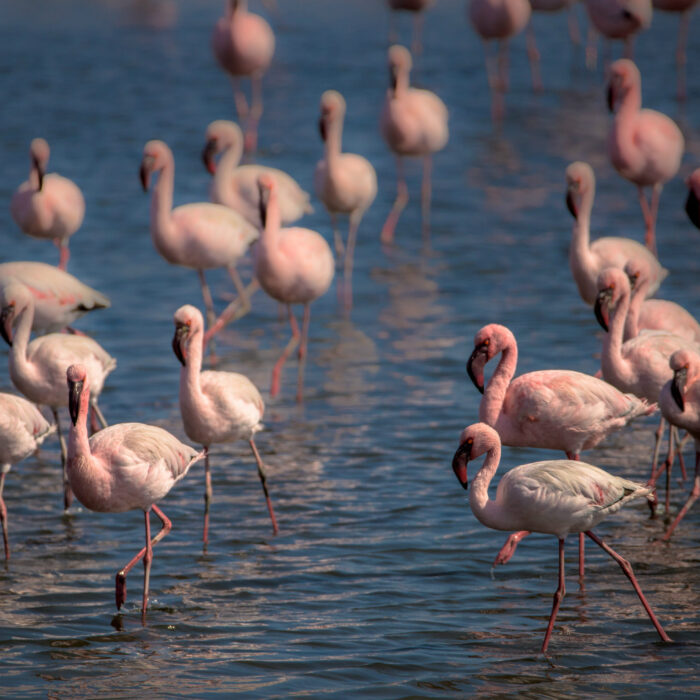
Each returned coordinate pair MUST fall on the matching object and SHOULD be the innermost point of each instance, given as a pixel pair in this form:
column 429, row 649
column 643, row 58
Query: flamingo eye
column 487, row 341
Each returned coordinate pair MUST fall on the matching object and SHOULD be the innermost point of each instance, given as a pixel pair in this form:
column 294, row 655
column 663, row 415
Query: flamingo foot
column 509, row 547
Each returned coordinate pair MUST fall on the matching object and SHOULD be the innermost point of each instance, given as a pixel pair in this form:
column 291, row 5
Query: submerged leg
column 426, row 194
column 508, row 549
column 387, row 235
column 207, row 497
column 263, row 481
column 302, row 350
column 67, row 493
column 277, row 369
column 558, row 597
column 256, row 109
column 680, row 53
column 534, row 55
column 694, row 494
column 64, row 253
column 355, row 219
column 147, row 559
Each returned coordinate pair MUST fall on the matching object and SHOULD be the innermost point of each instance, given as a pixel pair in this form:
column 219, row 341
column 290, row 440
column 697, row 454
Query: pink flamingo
column 22, row 430
column 123, row 467
column 417, row 7
column 551, row 409
column 413, row 123
column 587, row 260
column 294, row 266
column 556, row 497
column 215, row 406
column 243, row 44
column 345, row 182
column 680, row 405
column 202, row 236
column 655, row 314
column 59, row 298
column 645, row 146
column 48, row 206
column 692, row 204
column 499, row 20
column 236, row 186
column 684, row 8
column 37, row 368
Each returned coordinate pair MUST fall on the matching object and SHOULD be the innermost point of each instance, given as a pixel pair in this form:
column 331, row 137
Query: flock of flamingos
column 650, row 355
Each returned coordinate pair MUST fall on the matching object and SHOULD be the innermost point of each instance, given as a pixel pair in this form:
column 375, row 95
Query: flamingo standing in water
column 59, row 298
column 413, row 123
column 499, row 20
column 556, row 497
column 692, row 204
column 236, row 186
column 417, row 7
column 215, row 406
column 551, row 409
column 38, row 368
column 587, row 260
column 645, row 146
column 345, row 182
column 680, row 405
column 684, row 8
column 243, row 44
column 48, row 206
column 202, row 236
column 294, row 266
column 123, row 467
column 22, row 430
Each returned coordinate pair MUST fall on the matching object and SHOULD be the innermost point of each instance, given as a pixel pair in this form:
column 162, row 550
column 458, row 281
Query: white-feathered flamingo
column 48, row 206
column 216, row 407
column 294, row 266
column 556, row 497
column 22, row 430
column 551, row 409
column 127, row 466
column 38, row 368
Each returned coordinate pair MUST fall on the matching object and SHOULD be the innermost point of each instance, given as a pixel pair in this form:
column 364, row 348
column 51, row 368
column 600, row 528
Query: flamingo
column 345, row 182
column 680, row 405
column 215, row 406
column 59, row 298
column 48, row 206
column 692, row 204
column 551, row 409
column 236, row 186
column 587, row 260
column 123, row 467
column 293, row 266
column 684, row 8
column 645, row 146
column 202, row 236
column 498, row 20
column 655, row 314
column 413, row 123
column 37, row 369
column 417, row 7
column 243, row 44
column 22, row 430
column 556, row 497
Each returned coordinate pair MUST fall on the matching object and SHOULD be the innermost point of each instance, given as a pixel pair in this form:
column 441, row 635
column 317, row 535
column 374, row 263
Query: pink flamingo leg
column 355, row 219
column 208, row 300
column 680, row 53
column 591, row 48
column 694, row 494
column 120, row 588
column 64, row 253
column 426, row 194
column 508, row 549
column 302, row 351
column 558, row 597
column 574, row 31
column 337, row 239
column 680, row 443
column 256, row 109
column 67, row 493
column 240, row 100
column 534, row 56
column 387, row 235
column 147, row 559
column 417, row 42
column 3, row 519
column 494, row 84
column 277, row 369
column 98, row 414
column 207, row 497
column 238, row 308
column 627, row 571
column 263, row 481
column 503, row 65
column 576, row 457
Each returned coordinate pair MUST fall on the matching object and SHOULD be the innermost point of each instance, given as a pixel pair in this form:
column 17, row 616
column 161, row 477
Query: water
column 379, row 582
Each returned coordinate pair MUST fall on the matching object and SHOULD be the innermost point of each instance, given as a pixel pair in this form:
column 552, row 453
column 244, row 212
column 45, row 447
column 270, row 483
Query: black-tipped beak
column 680, row 377
column 571, row 203
column 75, row 389
column 6, row 317
column 692, row 208
column 610, row 97
column 602, row 303
column 475, row 367
column 181, row 333
column 145, row 172
column 392, row 78
column 40, row 173
column 262, row 204
column 460, row 461
column 208, row 153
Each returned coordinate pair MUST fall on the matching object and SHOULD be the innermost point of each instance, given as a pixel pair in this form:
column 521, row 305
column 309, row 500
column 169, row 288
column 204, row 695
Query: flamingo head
column 473, row 442
column 612, row 286
column 579, row 180
column 488, row 342
column 188, row 322
column 638, row 272
column 400, row 63
column 14, row 298
column 76, row 378
column 624, row 77
column 155, row 156
column 39, row 152
column 266, row 184
column 692, row 204
column 332, row 108
column 221, row 135
column 684, row 364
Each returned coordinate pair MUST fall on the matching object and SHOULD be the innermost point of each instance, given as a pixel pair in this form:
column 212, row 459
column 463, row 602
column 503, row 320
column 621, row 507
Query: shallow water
column 379, row 582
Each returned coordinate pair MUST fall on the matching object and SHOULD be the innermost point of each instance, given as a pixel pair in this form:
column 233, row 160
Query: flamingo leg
column 426, row 194
column 627, row 571
column 591, row 48
column 508, row 549
column 558, row 597
column 650, row 238
column 355, row 219
column 534, row 56
column 235, row 310
column 680, row 444
column 256, row 110
column 98, row 413
column 120, row 587
column 393, row 31
column 147, row 559
column 208, row 301
column 574, row 31
column 576, row 457
column 62, row 246
column 387, row 235
column 3, row 518
column 67, row 493
column 207, row 498
column 417, row 41
column 303, row 350
column 337, row 239
column 240, row 100
column 680, row 53
column 263, row 481
column 503, row 63
column 694, row 494
column 277, row 369
column 629, row 47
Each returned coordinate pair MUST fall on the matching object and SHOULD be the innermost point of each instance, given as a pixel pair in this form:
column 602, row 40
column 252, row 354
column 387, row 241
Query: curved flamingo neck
column 191, row 371
column 580, row 257
column 334, row 142
column 271, row 231
column 628, row 109
column 632, row 320
column 162, row 230
column 21, row 367
column 487, row 511
column 497, row 387
column 231, row 157
column 613, row 363
column 33, row 176
column 78, row 441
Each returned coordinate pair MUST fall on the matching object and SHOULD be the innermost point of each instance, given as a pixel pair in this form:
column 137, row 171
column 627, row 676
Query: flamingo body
column 499, row 19
column 619, row 19
column 410, row 5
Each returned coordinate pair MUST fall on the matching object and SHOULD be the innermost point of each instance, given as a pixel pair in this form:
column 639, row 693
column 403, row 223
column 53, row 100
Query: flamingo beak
column 460, row 461
column 602, row 304
column 322, row 128
column 680, row 376
column 692, row 208
column 611, row 98
column 145, row 172
column 6, row 318
column 208, row 156
column 392, row 78
column 182, row 330
column 262, row 204
column 475, row 367
column 571, row 203
column 40, row 173
column 75, row 390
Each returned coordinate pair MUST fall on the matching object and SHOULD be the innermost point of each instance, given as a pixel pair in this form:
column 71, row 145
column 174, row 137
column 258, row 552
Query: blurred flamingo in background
column 692, row 204
column 684, row 8
column 48, row 206
column 417, row 7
